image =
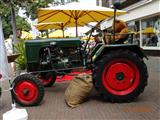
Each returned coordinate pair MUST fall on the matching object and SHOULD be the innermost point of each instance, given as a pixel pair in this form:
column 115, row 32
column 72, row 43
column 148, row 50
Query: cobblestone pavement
column 53, row 107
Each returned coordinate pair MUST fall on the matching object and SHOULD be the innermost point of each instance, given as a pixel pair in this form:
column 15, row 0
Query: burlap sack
column 78, row 90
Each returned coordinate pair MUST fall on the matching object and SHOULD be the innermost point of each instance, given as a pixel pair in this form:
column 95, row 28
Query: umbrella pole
column 47, row 34
column 114, row 24
column 63, row 30
column 76, row 28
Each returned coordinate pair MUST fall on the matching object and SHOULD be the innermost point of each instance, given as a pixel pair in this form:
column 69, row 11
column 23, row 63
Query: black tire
column 99, row 71
column 47, row 79
column 34, row 90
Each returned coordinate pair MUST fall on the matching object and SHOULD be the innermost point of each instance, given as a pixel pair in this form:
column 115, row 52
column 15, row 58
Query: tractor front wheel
column 120, row 76
column 28, row 91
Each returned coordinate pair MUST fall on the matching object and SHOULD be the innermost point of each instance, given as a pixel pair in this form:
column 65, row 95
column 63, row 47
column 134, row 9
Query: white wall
column 137, row 11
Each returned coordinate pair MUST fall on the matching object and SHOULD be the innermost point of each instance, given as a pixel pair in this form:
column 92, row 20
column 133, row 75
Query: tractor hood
column 62, row 42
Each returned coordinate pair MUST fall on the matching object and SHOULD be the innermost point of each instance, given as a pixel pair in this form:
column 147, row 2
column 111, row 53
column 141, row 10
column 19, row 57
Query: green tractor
column 118, row 70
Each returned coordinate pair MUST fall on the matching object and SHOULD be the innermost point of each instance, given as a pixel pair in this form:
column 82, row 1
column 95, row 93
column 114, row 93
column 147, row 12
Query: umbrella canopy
column 58, row 34
column 86, row 38
column 26, row 35
column 57, row 25
column 75, row 12
column 148, row 30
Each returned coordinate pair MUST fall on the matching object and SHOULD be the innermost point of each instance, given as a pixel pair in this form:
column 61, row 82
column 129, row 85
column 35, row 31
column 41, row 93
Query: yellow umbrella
column 56, row 25
column 75, row 12
column 26, row 35
column 58, row 34
column 86, row 38
column 148, row 30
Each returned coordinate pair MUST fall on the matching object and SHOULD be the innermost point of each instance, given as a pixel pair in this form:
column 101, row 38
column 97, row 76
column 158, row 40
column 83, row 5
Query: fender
column 106, row 48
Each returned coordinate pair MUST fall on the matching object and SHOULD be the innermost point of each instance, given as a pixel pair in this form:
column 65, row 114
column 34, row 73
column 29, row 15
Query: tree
column 8, row 11
column 6, row 28
column 22, row 24
column 30, row 6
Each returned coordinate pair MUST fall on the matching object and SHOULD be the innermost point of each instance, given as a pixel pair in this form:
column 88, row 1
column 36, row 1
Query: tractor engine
column 59, row 58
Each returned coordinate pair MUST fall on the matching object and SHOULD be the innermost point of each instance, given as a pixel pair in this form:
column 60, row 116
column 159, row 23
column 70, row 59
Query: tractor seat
column 128, row 38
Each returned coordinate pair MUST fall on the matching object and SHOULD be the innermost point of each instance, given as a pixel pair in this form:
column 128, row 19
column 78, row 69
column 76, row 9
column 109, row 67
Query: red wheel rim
column 45, row 81
column 120, row 77
column 27, row 91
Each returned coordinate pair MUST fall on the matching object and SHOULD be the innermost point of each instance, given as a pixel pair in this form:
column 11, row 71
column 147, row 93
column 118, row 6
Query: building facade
column 143, row 19
column 108, row 3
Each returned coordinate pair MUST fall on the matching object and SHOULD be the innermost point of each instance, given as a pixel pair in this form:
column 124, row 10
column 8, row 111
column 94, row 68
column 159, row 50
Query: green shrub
column 21, row 61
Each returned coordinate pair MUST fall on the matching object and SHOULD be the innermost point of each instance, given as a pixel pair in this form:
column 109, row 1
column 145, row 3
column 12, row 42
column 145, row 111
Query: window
column 134, row 29
column 151, row 31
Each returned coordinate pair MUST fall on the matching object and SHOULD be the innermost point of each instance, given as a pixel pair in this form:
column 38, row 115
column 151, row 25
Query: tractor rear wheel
column 28, row 91
column 47, row 79
column 120, row 76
